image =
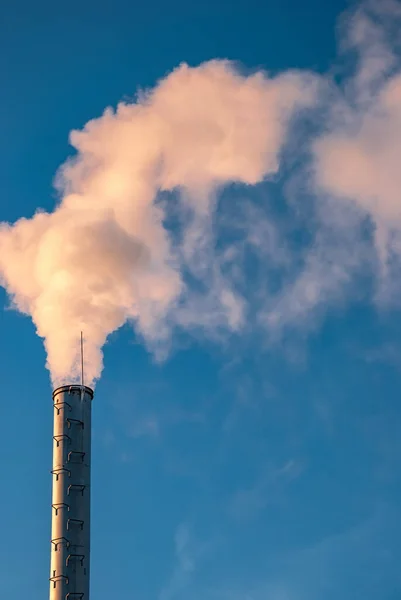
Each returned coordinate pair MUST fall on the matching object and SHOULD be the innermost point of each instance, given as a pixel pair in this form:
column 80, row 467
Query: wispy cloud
column 359, row 562
column 268, row 488
column 344, row 203
column 147, row 426
column 146, row 410
column 356, row 159
column 189, row 553
column 361, row 557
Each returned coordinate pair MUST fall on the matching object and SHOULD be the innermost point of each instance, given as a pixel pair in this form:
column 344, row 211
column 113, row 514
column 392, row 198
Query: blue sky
column 237, row 469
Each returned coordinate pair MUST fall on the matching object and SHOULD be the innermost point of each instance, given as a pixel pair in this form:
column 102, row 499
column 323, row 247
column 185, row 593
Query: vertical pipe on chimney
column 70, row 540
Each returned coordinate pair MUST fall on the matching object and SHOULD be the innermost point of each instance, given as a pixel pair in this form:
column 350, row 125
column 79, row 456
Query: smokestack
column 70, row 540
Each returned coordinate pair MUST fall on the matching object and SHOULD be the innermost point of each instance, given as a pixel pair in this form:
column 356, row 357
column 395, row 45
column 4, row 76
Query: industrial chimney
column 70, row 539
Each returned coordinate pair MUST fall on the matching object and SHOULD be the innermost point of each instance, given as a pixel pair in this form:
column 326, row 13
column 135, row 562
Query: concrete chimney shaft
column 70, row 539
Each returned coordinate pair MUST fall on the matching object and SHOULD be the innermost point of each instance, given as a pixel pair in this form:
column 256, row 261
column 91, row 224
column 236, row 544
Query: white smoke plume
column 353, row 184
column 358, row 157
column 105, row 255
column 354, row 177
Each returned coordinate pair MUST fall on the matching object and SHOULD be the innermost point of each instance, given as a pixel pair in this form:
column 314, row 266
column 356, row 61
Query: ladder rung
column 76, row 488
column 78, row 557
column 77, row 522
column 60, row 471
column 62, row 541
column 58, row 578
column 74, row 422
column 77, row 455
column 58, row 438
column 60, row 506
column 59, row 405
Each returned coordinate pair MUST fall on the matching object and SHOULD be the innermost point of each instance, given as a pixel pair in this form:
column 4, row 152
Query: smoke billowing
column 358, row 157
column 104, row 256
column 133, row 236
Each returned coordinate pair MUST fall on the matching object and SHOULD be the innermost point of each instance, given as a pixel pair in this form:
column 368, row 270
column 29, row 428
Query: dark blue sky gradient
column 281, row 474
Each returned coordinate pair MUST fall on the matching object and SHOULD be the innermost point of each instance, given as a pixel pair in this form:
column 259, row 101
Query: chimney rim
column 75, row 387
